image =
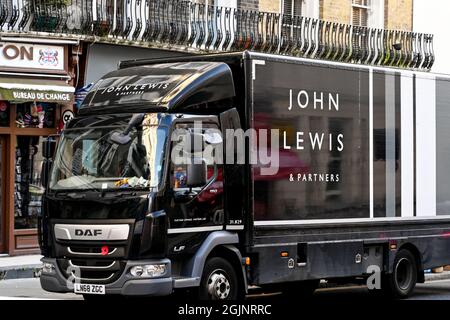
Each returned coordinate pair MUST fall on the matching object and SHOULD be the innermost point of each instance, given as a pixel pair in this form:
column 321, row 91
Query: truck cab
column 121, row 215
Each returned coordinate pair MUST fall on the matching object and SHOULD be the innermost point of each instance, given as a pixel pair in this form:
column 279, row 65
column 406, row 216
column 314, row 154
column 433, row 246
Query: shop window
column 28, row 187
column 35, row 115
column 2, row 145
column 4, row 114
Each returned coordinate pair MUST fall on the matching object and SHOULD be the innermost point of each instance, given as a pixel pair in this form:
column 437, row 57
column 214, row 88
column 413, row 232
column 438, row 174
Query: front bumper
column 126, row 284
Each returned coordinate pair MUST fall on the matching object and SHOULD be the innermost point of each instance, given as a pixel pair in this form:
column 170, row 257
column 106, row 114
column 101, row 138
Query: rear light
column 393, row 245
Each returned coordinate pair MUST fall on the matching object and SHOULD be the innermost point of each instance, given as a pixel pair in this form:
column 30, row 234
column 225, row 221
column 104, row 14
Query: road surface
column 27, row 289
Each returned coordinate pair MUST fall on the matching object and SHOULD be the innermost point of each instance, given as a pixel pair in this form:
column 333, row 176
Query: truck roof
column 163, row 87
column 240, row 55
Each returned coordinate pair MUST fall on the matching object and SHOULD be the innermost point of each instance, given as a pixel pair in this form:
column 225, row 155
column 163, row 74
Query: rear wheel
column 401, row 282
column 219, row 281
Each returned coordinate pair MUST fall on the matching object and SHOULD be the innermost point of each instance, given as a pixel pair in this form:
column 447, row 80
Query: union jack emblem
column 48, row 57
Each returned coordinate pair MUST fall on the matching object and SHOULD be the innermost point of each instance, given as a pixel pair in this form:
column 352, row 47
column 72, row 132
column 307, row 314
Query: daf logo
column 88, row 232
column 92, row 232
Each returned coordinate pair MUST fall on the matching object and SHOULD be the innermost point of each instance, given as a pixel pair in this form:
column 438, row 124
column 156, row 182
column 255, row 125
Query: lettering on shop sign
column 40, row 96
column 31, row 56
column 11, row 52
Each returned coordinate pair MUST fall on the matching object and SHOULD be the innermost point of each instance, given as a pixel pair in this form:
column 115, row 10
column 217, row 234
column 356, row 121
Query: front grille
column 91, row 270
column 94, row 251
column 88, row 262
column 93, row 264
column 92, row 261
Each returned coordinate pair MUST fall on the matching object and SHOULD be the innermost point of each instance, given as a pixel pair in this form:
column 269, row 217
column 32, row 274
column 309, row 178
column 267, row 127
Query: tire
column 401, row 282
column 219, row 281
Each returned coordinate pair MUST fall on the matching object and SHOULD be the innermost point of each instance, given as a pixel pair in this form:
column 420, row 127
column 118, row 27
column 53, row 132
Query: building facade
column 387, row 14
column 37, row 85
column 49, row 54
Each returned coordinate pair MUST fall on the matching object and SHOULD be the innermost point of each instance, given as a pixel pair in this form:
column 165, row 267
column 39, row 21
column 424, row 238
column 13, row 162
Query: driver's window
column 178, row 172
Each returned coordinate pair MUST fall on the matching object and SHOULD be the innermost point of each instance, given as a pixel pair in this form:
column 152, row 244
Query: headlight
column 137, row 271
column 156, row 270
column 48, row 268
column 148, row 271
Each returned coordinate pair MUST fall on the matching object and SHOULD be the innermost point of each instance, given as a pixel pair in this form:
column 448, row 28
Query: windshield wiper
column 120, row 193
column 78, row 194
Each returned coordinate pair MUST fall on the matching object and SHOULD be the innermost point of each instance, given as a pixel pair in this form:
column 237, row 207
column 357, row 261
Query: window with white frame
column 292, row 7
column 305, row 8
column 361, row 12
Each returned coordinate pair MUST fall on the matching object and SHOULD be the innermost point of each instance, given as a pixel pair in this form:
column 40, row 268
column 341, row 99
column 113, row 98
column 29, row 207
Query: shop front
column 35, row 90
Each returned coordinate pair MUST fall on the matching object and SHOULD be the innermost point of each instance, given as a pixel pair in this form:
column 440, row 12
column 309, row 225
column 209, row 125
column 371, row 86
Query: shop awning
column 40, row 90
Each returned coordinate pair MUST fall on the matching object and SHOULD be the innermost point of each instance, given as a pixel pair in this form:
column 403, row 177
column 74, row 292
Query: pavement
column 20, row 267
column 30, row 289
column 29, row 266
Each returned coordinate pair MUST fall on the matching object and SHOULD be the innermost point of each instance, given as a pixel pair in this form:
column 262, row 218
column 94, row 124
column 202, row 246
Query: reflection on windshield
column 102, row 158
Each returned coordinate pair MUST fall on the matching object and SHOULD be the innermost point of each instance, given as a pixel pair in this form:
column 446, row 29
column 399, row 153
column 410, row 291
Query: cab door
column 194, row 211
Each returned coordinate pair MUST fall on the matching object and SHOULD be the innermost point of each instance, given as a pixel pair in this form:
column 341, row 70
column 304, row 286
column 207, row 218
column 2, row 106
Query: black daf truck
column 347, row 178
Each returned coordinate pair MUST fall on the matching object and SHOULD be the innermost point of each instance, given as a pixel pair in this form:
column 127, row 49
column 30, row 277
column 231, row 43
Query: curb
column 437, row 276
column 20, row 272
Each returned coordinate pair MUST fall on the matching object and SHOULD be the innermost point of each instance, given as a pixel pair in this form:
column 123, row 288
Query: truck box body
column 370, row 155
column 348, row 168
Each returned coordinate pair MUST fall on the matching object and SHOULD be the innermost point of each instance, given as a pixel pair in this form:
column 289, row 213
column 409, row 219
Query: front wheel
column 219, row 281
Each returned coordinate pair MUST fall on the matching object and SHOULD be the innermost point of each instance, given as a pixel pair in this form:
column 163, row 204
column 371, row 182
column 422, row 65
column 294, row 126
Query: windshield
column 112, row 157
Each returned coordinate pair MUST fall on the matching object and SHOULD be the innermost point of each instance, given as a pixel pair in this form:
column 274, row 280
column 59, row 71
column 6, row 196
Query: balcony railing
column 185, row 25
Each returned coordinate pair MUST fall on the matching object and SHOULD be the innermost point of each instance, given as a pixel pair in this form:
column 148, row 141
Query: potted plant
column 49, row 13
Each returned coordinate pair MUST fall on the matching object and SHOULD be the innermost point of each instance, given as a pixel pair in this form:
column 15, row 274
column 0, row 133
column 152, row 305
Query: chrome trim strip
column 195, row 229
column 89, row 253
column 346, row 221
column 235, row 227
column 93, row 279
column 92, row 267
column 92, row 232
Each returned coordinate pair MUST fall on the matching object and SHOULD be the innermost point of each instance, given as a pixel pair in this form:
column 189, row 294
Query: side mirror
column 48, row 148
column 213, row 138
column 196, row 173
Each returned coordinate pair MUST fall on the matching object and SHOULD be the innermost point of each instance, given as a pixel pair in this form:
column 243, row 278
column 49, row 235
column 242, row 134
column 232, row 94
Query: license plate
column 89, row 288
